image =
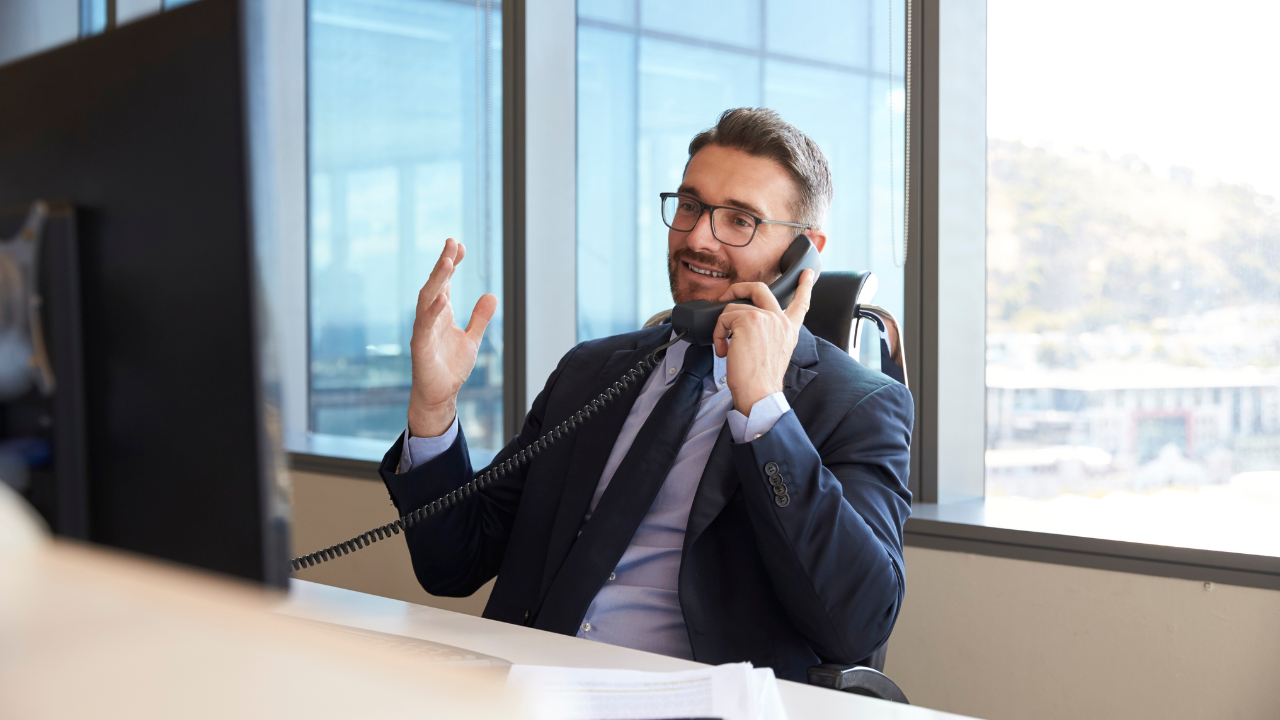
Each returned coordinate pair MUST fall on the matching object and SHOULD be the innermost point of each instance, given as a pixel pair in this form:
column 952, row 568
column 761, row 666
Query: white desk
column 527, row 646
column 93, row 633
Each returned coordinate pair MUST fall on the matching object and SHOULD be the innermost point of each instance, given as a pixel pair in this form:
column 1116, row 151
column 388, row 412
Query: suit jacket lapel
column 592, row 446
column 719, row 479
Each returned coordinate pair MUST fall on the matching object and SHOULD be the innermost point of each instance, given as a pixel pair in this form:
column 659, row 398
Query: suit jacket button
column 771, row 468
column 779, row 489
column 775, row 480
column 782, row 500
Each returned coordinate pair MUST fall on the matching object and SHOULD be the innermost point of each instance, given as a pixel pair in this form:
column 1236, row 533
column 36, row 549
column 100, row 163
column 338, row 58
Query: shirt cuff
column 764, row 415
column 420, row 451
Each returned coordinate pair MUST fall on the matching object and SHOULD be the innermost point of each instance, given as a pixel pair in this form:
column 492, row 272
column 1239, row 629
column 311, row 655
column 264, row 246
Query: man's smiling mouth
column 708, row 273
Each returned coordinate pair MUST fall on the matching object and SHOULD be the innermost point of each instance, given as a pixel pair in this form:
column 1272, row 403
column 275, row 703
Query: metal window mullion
column 513, row 215
column 921, row 272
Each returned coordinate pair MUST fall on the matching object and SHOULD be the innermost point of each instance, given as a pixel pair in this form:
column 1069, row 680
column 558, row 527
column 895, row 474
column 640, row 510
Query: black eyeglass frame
column 704, row 207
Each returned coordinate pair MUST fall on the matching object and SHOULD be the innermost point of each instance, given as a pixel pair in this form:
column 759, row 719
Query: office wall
column 982, row 636
column 328, row 509
column 1001, row 638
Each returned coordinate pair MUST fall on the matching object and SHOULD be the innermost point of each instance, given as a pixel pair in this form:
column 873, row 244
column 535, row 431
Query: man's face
column 700, row 267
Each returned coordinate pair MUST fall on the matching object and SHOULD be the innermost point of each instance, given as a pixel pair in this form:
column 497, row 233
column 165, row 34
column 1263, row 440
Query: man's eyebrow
column 743, row 205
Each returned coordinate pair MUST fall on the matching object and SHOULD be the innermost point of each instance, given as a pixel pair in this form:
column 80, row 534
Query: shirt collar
column 674, row 360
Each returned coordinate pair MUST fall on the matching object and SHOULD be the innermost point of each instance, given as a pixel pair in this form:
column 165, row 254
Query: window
column 93, row 17
column 1133, row 270
column 653, row 74
column 405, row 150
column 31, row 26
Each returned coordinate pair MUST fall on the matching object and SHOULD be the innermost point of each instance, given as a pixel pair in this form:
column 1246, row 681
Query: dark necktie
column 627, row 500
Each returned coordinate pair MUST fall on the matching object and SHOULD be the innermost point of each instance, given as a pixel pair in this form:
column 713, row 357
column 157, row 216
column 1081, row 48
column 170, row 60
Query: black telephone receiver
column 694, row 321
column 697, row 318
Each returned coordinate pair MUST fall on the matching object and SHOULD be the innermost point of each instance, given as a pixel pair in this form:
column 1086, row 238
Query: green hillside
column 1079, row 242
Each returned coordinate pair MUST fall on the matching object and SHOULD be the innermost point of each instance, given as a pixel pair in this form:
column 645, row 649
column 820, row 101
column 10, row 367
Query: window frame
column 946, row 514
column 539, row 67
column 533, row 294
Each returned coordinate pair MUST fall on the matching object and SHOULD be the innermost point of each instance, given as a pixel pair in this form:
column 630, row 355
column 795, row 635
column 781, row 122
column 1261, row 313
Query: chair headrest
column 835, row 295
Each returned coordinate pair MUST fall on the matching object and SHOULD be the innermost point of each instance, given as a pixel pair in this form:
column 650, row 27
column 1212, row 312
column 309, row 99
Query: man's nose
column 700, row 238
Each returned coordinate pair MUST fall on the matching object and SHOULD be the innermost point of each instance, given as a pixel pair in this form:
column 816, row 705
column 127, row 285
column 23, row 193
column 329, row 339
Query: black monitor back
column 142, row 130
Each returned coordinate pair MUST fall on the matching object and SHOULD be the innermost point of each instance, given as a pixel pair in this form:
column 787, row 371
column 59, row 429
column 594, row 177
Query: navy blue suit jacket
column 820, row 580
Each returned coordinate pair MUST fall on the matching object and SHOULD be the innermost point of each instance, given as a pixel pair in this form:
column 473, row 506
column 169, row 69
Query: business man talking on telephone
column 746, row 503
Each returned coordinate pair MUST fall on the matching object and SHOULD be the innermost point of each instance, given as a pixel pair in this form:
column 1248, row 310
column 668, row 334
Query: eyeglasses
column 731, row 226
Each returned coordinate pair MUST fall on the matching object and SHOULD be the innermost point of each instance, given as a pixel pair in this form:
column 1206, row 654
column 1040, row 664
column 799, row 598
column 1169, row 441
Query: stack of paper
column 729, row 692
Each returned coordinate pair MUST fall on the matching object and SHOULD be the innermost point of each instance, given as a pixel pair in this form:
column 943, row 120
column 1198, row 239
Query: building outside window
column 1133, row 267
column 653, row 74
column 405, row 150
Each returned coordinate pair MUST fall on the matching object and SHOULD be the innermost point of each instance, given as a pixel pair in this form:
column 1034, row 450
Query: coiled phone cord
column 634, row 376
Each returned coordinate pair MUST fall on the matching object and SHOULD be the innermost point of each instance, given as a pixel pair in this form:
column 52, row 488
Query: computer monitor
column 142, row 130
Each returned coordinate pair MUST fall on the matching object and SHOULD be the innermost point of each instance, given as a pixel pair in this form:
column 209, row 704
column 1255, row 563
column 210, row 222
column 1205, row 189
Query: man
column 745, row 505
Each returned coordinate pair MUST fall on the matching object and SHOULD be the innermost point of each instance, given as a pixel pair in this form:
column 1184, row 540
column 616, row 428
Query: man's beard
column 711, row 261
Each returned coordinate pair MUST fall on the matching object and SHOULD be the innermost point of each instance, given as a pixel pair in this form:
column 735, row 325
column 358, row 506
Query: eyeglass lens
column 729, row 226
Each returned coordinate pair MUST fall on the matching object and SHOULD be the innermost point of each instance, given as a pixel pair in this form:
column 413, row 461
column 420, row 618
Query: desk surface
column 90, row 633
column 527, row 646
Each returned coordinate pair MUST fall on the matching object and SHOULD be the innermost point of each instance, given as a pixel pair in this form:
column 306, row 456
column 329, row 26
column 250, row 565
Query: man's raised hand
column 443, row 354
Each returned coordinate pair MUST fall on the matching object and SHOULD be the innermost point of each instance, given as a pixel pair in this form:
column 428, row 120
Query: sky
column 1174, row 82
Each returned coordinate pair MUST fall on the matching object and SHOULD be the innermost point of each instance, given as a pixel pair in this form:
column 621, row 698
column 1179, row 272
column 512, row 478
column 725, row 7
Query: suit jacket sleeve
column 834, row 553
column 458, row 550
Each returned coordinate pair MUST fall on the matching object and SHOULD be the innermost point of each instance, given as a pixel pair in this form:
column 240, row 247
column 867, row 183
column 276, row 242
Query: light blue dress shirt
column 639, row 606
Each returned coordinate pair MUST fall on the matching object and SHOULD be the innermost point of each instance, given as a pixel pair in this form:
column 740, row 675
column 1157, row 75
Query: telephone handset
column 698, row 317
column 694, row 320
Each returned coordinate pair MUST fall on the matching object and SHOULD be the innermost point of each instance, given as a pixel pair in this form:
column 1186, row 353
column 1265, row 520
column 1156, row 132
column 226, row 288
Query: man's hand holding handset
column 764, row 336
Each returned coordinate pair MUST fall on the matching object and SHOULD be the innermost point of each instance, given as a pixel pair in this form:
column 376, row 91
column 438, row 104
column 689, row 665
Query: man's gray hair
column 763, row 133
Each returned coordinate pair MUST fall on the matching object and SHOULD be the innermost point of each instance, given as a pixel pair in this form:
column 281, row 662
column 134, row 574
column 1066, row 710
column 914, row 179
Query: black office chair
column 839, row 304
column 865, row 678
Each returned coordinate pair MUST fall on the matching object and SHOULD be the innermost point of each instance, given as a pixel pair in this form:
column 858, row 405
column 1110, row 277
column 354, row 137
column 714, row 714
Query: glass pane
column 93, row 17
column 729, row 22
column 643, row 95
column 607, row 198
column 821, row 30
column 405, row 144
column 621, row 12
column 675, row 105
column 1134, row 261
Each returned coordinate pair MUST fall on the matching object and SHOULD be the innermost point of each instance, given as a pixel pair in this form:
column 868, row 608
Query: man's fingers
column 720, row 337
column 724, row 328
column 721, row 347
column 486, row 306
column 426, row 317
column 436, row 284
column 450, row 249
column 757, row 292
column 440, row 274
column 799, row 306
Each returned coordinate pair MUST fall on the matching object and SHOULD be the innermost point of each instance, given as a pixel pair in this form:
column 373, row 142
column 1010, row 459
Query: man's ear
column 819, row 238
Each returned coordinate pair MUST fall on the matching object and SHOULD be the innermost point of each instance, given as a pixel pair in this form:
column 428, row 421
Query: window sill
column 1085, row 535
column 350, row 456
column 1001, row 527
column 337, row 455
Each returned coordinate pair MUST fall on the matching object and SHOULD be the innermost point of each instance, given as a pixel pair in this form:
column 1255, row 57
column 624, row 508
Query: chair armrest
column 857, row 679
